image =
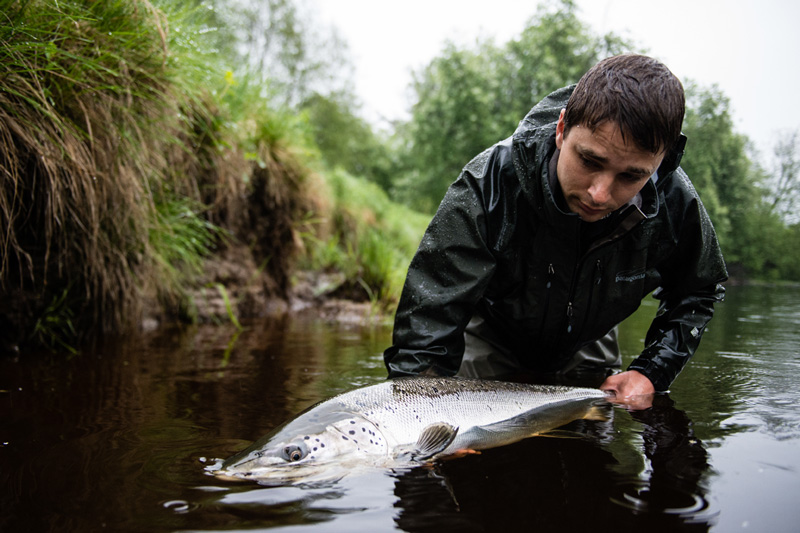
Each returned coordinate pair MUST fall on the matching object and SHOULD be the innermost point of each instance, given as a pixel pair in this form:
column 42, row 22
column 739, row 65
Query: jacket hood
column 534, row 146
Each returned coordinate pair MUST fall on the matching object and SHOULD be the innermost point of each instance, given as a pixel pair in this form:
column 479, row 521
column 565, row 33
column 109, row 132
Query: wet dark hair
column 638, row 93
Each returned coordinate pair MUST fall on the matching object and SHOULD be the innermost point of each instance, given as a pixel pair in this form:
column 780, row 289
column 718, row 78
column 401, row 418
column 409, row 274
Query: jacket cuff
column 652, row 371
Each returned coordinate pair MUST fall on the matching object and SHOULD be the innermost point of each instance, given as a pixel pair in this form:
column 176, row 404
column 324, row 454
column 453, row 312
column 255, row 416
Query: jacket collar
column 534, row 146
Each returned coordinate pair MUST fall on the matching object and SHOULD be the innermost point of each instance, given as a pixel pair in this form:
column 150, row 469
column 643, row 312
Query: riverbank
column 232, row 288
column 145, row 183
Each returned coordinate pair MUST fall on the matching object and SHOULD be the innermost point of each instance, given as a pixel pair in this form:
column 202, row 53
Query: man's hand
column 631, row 389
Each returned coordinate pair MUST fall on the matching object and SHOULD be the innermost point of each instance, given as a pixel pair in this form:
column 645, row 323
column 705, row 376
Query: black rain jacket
column 500, row 248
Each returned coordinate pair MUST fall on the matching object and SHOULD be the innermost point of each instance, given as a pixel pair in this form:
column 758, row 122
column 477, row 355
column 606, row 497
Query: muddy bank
column 233, row 284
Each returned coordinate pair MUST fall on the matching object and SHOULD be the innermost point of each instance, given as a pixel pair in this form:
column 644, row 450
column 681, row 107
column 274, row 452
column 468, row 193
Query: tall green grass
column 102, row 132
column 130, row 153
column 365, row 236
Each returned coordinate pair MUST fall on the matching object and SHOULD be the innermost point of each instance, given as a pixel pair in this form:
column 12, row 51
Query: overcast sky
column 749, row 48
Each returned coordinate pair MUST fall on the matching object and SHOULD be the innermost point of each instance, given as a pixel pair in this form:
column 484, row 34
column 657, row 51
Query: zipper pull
column 550, row 272
column 570, row 314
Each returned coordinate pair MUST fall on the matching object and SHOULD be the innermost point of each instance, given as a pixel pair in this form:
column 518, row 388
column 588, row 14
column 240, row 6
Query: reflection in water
column 117, row 438
column 567, row 484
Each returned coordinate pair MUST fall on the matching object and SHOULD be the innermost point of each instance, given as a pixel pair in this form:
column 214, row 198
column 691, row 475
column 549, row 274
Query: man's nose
column 600, row 189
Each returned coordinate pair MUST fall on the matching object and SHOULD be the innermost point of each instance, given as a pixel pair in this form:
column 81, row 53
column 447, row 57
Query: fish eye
column 293, row 453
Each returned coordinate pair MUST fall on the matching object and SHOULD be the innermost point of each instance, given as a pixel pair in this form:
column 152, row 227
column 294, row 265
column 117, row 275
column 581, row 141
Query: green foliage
column 117, row 153
column 282, row 45
column 88, row 119
column 367, row 237
column 554, row 50
column 54, row 328
column 347, row 141
column 451, row 121
column 716, row 161
column 783, row 193
column 470, row 98
column 737, row 193
column 228, row 306
column 179, row 239
column 135, row 135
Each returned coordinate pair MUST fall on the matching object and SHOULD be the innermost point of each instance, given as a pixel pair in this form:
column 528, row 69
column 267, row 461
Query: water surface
column 117, row 438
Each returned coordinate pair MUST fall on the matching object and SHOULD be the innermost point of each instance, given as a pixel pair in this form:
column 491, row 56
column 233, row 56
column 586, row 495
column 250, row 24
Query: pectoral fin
column 432, row 440
column 597, row 414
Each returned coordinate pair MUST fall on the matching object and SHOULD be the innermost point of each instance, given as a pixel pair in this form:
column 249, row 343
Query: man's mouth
column 591, row 211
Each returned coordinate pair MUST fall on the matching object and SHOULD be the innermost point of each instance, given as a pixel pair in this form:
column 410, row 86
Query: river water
column 118, row 438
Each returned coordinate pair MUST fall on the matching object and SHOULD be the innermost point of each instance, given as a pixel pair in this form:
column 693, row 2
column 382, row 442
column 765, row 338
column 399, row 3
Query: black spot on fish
column 321, row 445
column 352, row 421
column 364, row 430
column 306, row 437
column 345, row 438
column 352, row 432
column 315, row 448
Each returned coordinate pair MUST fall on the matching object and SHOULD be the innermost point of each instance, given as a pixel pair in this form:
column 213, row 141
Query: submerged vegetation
column 158, row 153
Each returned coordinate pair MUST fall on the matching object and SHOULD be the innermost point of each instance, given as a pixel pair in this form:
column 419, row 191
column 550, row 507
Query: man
column 552, row 237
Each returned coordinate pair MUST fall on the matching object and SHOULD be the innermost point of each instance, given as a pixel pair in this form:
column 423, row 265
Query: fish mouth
column 310, row 473
column 225, row 476
column 236, row 472
column 276, row 477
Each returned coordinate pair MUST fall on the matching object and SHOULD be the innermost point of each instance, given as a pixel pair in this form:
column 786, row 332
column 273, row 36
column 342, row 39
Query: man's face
column 598, row 171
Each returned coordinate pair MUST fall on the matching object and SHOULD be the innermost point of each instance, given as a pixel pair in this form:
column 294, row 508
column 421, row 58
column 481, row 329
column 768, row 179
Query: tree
column 749, row 207
column 719, row 166
column 450, row 123
column 555, row 49
column 347, row 141
column 470, row 98
column 280, row 42
column 783, row 185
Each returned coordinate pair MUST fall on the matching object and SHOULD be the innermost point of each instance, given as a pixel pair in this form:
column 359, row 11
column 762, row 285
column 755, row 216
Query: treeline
column 150, row 150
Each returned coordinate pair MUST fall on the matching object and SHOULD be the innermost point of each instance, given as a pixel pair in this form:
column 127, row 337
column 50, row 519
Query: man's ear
column 561, row 128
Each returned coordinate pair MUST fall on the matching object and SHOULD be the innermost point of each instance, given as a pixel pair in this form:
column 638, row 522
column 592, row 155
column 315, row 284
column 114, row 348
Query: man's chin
column 586, row 213
column 591, row 215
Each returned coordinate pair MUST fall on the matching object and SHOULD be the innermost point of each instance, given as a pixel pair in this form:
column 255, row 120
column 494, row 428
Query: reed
column 106, row 141
column 129, row 154
column 364, row 235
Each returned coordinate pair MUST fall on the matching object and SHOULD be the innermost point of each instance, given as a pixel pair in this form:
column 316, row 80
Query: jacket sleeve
column 446, row 278
column 691, row 286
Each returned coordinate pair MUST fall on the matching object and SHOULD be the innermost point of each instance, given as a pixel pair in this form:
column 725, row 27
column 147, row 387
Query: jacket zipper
column 570, row 311
column 550, row 272
column 598, row 278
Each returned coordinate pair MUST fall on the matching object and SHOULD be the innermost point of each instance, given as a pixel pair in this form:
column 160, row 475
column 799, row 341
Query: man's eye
column 632, row 178
column 589, row 163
